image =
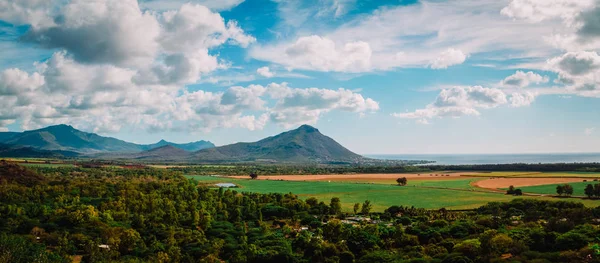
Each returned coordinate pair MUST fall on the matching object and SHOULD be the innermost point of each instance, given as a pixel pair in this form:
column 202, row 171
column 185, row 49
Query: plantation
column 550, row 189
column 416, row 193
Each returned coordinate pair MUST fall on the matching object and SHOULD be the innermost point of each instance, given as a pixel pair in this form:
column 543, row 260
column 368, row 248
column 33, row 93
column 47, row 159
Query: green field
column 382, row 196
column 454, row 184
column 578, row 188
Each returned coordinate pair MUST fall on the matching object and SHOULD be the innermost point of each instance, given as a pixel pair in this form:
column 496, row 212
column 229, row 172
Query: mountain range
column 302, row 145
column 66, row 138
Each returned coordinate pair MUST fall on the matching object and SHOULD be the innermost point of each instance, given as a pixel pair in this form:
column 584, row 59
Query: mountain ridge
column 64, row 137
column 305, row 144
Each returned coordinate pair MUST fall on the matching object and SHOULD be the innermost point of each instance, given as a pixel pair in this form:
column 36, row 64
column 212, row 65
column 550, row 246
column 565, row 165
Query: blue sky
column 380, row 77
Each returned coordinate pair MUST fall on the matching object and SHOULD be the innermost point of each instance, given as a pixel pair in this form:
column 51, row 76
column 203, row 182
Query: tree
column 402, row 181
column 568, row 189
column 518, row 192
column 366, row 207
column 335, row 206
column 253, row 176
column 589, row 191
column 356, row 208
column 511, row 190
column 560, row 189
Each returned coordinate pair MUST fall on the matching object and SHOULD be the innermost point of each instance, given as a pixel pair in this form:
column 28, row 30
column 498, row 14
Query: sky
column 380, row 77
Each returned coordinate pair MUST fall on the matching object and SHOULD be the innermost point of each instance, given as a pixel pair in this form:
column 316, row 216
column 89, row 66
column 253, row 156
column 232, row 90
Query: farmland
column 550, row 189
column 419, row 193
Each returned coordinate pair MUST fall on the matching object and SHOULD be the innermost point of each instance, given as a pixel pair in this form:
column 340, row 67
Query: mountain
column 7, row 135
column 167, row 152
column 66, row 138
column 303, row 145
column 191, row 147
column 29, row 152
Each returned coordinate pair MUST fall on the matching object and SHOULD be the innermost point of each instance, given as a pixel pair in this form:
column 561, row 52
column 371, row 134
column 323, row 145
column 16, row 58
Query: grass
column 382, row 196
column 454, row 184
column 578, row 188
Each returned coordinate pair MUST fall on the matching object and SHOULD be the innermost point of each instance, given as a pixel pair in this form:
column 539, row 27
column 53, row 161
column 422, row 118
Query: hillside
column 303, row 145
column 66, row 138
column 167, row 152
column 191, row 147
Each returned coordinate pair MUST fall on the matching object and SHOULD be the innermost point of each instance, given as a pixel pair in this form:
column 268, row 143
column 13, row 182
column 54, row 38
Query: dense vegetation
column 150, row 215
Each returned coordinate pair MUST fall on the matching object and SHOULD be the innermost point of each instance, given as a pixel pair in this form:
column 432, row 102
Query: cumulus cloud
column 33, row 12
column 117, row 32
column 265, row 72
column 163, row 5
column 576, row 63
column 458, row 101
column 106, row 98
column 298, row 106
column 319, row 53
column 523, row 79
column 579, row 72
column 448, row 58
column 521, row 99
column 105, row 31
column 540, row 10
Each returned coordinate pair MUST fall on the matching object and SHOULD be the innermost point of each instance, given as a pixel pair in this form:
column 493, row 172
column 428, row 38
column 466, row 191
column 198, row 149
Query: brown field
column 362, row 177
column 497, row 183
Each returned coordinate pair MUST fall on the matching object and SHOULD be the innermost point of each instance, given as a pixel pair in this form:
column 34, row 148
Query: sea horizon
column 493, row 158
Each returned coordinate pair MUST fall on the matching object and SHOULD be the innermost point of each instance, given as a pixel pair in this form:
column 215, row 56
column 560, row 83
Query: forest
column 61, row 214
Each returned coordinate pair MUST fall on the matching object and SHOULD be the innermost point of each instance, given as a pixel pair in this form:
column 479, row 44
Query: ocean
column 455, row 159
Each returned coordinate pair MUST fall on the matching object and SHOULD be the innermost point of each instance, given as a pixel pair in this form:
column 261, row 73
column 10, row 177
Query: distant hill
column 29, row 152
column 66, row 138
column 7, row 135
column 303, row 145
column 192, row 146
column 167, row 152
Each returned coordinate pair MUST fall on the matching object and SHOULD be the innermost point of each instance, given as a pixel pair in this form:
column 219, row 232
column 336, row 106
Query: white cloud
column 265, row 72
column 458, row 101
column 579, row 72
column 589, row 131
column 318, row 53
column 523, row 79
column 522, row 99
column 540, row 10
column 448, row 58
column 104, row 31
column 163, row 5
column 21, row 12
column 298, row 106
column 576, row 63
column 415, row 35
column 15, row 81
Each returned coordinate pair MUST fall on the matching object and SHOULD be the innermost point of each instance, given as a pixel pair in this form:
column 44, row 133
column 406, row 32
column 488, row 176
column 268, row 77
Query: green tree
column 356, row 208
column 402, row 181
column 589, row 190
column 335, row 206
column 366, row 207
column 568, row 189
column 560, row 189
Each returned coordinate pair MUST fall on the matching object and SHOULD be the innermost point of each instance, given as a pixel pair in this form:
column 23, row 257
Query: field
column 419, row 193
column 537, row 174
column 550, row 189
column 501, row 183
